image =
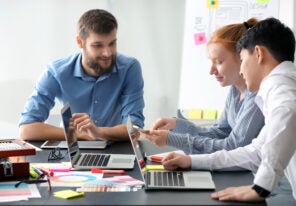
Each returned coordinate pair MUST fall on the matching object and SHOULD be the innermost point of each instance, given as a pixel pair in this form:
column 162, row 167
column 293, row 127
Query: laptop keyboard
column 171, row 178
column 95, row 160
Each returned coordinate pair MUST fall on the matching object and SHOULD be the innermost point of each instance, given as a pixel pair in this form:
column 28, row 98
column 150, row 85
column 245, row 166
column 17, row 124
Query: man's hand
column 85, row 128
column 242, row 194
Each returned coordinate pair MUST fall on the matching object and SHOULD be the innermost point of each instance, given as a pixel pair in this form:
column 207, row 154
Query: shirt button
column 96, row 121
column 96, row 101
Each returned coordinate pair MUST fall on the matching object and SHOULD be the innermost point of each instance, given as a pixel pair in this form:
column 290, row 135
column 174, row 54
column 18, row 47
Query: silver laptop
column 50, row 144
column 86, row 161
column 165, row 179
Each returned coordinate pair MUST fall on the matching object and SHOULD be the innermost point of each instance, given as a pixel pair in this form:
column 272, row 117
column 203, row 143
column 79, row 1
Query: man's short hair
column 272, row 34
column 97, row 21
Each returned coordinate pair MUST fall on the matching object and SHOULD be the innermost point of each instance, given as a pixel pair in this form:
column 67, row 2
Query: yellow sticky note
column 67, row 194
column 154, row 167
column 212, row 4
column 210, row 114
column 195, row 114
column 219, row 113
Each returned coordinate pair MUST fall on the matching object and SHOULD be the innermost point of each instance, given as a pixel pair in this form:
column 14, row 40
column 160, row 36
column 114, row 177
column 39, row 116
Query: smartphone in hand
column 140, row 129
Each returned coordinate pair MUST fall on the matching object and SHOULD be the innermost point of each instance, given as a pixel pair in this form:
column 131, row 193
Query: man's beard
column 98, row 69
column 92, row 63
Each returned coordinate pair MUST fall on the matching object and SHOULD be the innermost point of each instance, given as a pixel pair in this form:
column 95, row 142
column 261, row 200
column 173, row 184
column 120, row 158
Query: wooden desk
column 141, row 197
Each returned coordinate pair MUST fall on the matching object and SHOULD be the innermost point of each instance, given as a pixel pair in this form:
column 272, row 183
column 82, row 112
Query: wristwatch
column 261, row 191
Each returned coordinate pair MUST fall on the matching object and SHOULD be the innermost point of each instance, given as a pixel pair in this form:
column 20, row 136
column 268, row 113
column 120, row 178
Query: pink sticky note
column 200, row 38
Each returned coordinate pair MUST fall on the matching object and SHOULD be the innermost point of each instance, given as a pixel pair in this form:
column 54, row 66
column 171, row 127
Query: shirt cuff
column 266, row 177
column 200, row 161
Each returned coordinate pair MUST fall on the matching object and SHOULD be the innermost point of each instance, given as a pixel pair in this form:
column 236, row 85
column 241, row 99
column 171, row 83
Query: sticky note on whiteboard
column 210, row 114
column 262, row 1
column 195, row 114
column 219, row 113
column 200, row 38
column 212, row 4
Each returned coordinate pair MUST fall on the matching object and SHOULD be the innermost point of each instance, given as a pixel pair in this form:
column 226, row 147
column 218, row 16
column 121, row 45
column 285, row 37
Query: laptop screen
column 69, row 130
column 140, row 157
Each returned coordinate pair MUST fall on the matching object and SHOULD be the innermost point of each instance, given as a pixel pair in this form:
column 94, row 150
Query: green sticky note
column 67, row 194
column 262, row 1
column 210, row 114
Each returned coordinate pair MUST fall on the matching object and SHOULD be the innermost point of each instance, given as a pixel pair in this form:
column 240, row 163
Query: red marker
column 46, row 172
column 142, row 163
column 156, row 158
column 98, row 170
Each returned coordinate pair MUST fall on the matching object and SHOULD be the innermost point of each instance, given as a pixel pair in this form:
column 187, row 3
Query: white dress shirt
column 272, row 153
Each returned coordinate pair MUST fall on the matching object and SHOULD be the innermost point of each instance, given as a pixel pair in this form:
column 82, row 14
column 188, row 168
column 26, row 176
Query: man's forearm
column 40, row 131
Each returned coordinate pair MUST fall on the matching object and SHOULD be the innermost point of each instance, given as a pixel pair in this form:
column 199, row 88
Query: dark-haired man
column 102, row 86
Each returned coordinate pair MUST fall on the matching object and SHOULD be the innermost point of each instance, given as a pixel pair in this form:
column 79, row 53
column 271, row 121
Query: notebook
column 86, row 161
column 165, row 179
column 50, row 144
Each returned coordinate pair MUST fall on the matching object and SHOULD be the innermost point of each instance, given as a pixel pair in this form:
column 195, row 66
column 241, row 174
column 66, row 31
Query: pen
column 46, row 172
column 39, row 172
column 98, row 170
column 29, row 182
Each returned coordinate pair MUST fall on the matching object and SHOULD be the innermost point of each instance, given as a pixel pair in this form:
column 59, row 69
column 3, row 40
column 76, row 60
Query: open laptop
column 50, row 144
column 86, row 161
column 165, row 179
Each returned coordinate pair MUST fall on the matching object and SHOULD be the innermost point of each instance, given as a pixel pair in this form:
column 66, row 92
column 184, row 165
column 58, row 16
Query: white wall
column 35, row 32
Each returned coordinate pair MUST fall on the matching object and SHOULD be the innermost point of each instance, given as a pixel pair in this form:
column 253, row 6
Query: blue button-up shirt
column 108, row 99
column 240, row 122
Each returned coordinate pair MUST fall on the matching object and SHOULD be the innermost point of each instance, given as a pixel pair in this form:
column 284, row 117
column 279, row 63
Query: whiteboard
column 199, row 89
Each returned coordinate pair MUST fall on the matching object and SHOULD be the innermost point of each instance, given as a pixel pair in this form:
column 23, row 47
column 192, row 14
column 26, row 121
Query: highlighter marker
column 46, row 172
column 61, row 168
column 98, row 170
column 32, row 172
column 39, row 172
column 155, row 158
